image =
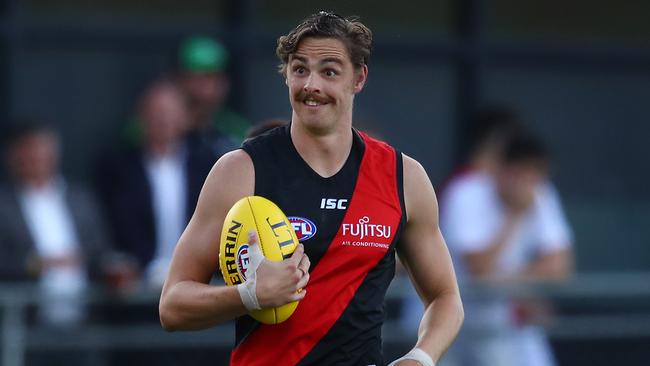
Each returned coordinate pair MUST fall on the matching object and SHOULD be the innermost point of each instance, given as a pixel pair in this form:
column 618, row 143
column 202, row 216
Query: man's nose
column 312, row 85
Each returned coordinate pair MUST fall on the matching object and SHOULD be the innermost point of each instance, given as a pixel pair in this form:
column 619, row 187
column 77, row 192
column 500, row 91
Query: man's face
column 518, row 181
column 207, row 90
column 164, row 116
column 322, row 83
column 34, row 159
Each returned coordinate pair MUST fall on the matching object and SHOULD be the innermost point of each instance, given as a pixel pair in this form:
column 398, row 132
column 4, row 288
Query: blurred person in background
column 493, row 126
column 51, row 231
column 506, row 226
column 150, row 190
column 202, row 76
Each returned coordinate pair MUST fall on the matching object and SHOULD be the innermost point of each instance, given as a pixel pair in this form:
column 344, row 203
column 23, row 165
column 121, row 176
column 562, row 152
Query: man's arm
column 554, row 266
column 482, row 263
column 425, row 256
column 517, row 201
column 555, row 257
column 188, row 301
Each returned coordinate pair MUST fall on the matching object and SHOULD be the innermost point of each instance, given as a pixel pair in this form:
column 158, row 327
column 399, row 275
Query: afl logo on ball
column 243, row 260
column 304, row 228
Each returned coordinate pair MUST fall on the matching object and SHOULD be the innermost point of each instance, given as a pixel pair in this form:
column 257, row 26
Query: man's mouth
column 311, row 102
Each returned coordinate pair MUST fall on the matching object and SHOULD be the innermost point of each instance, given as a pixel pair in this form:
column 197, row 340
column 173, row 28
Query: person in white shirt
column 50, row 229
column 150, row 190
column 507, row 227
column 492, row 127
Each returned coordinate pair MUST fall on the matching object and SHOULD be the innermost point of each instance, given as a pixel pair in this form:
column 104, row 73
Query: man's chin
column 314, row 124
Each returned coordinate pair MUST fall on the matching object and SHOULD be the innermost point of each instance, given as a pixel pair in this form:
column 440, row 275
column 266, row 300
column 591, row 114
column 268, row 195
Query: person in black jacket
column 51, row 230
column 149, row 190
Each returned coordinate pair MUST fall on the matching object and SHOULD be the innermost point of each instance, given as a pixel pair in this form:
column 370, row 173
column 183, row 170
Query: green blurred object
column 202, row 55
column 231, row 124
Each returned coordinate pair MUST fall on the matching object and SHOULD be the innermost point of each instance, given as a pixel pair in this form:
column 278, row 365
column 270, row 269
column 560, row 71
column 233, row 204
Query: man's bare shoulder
column 419, row 195
column 231, row 178
column 416, row 179
column 233, row 166
column 233, row 159
column 412, row 168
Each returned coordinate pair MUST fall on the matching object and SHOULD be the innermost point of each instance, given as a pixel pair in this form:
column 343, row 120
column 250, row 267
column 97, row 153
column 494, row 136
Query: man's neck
column 324, row 153
column 484, row 164
column 37, row 183
column 157, row 150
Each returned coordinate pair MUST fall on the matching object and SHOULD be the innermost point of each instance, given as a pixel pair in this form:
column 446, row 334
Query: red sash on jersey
column 368, row 229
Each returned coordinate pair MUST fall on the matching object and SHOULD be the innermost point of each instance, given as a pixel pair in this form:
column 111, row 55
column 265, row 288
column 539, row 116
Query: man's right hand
column 279, row 283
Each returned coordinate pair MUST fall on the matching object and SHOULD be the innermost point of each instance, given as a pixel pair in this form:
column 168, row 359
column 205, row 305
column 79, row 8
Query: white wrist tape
column 418, row 355
column 247, row 290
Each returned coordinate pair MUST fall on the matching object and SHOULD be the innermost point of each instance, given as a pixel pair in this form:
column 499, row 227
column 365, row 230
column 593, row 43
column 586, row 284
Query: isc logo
column 333, row 204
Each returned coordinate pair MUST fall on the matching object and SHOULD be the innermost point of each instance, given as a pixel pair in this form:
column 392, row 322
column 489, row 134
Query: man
column 150, row 191
column 201, row 75
column 50, row 228
column 507, row 226
column 493, row 126
column 362, row 196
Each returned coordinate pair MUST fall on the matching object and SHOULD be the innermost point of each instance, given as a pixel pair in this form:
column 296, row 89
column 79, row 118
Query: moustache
column 318, row 98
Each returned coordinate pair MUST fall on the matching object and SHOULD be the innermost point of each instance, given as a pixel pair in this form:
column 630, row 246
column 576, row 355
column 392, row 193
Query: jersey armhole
column 399, row 177
column 399, row 169
column 247, row 149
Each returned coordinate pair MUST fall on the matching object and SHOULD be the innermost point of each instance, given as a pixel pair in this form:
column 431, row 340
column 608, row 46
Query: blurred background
column 577, row 73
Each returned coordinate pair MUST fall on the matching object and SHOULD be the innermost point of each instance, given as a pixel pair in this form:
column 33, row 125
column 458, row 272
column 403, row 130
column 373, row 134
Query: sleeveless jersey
column 349, row 224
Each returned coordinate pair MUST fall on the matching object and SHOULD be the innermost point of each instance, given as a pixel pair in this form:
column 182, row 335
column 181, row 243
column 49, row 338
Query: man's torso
column 348, row 224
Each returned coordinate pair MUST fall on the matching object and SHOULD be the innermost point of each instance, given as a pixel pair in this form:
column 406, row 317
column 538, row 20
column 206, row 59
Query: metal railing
column 19, row 336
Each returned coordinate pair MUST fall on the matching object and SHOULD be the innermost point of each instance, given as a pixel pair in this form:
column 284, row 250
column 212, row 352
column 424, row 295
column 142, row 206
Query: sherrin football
column 277, row 241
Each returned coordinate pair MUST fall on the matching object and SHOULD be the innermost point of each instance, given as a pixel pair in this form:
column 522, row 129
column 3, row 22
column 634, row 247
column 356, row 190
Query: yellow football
column 277, row 241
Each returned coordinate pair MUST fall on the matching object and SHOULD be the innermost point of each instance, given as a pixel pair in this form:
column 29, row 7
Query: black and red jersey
column 349, row 224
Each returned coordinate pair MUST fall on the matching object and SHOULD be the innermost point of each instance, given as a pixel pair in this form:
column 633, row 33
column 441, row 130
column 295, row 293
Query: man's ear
column 360, row 79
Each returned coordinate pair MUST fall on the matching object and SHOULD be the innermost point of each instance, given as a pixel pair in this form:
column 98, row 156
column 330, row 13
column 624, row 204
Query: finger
column 255, row 252
column 252, row 237
column 298, row 295
column 297, row 255
column 304, row 264
column 303, row 281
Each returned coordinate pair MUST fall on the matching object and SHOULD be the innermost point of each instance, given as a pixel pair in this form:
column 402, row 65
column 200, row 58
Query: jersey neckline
column 357, row 145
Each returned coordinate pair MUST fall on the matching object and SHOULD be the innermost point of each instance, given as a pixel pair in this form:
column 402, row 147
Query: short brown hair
column 356, row 37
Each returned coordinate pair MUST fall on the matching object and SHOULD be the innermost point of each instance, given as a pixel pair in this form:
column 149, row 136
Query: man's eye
column 299, row 70
column 331, row 73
